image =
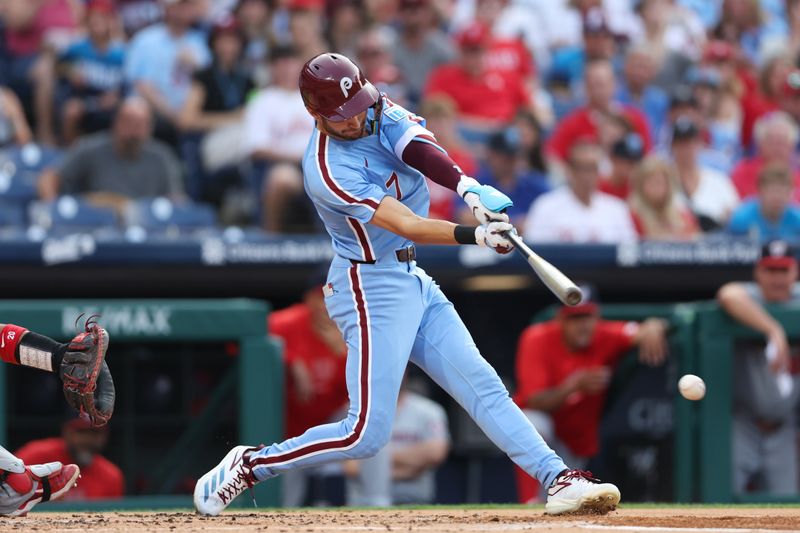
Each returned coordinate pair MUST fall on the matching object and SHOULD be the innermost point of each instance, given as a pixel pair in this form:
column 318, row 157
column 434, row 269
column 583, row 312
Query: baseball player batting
column 364, row 170
column 88, row 387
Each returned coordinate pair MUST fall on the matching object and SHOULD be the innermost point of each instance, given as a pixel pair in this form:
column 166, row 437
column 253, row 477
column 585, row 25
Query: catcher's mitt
column 88, row 385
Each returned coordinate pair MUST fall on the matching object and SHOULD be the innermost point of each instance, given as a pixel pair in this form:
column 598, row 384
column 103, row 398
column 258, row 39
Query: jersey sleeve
column 339, row 186
column 618, row 335
column 399, row 127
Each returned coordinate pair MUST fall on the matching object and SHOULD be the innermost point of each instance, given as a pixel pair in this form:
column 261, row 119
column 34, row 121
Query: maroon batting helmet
column 334, row 87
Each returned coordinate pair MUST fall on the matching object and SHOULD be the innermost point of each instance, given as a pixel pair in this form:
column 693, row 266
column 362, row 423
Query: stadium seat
column 69, row 212
column 162, row 214
column 12, row 214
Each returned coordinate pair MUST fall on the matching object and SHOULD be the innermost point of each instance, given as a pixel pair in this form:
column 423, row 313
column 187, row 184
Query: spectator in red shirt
column 584, row 122
column 776, row 136
column 80, row 444
column 625, row 155
column 315, row 356
column 486, row 98
column 563, row 369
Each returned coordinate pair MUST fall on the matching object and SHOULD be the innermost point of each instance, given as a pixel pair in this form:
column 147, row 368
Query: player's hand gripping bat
column 563, row 287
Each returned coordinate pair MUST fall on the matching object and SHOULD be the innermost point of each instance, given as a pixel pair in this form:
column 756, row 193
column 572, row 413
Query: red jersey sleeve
column 617, row 337
column 38, row 451
column 533, row 372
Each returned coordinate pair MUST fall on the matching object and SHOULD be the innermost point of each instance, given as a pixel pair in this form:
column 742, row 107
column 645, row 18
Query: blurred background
column 149, row 171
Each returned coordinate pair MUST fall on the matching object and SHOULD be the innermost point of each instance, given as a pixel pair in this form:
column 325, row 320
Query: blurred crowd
column 604, row 120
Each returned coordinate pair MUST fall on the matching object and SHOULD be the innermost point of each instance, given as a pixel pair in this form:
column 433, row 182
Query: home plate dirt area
column 733, row 519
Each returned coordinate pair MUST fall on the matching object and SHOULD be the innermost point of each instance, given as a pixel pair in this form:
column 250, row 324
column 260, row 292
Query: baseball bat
column 563, row 287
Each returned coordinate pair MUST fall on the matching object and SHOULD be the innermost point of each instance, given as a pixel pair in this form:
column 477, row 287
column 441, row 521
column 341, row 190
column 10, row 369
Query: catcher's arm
column 80, row 363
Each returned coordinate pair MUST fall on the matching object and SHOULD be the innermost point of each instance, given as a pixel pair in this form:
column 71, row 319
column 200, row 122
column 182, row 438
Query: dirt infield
column 679, row 519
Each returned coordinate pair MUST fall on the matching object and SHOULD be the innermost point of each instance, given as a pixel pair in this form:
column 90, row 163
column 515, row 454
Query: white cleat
column 223, row 483
column 576, row 491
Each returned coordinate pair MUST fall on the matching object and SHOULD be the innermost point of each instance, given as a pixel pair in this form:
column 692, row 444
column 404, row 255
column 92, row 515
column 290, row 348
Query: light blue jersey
column 348, row 179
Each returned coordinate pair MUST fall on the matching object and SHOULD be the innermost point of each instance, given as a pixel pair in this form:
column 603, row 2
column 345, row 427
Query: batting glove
column 486, row 203
column 493, row 235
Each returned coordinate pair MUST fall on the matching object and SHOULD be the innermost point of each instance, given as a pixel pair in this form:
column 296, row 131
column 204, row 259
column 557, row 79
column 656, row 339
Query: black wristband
column 34, row 348
column 465, row 234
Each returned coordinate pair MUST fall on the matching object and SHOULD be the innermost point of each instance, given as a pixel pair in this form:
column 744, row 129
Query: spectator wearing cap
column 682, row 103
column 625, row 155
column 772, row 83
column 441, row 119
column 656, row 209
column 211, row 117
column 112, row 167
column 160, row 61
column 766, row 389
column 486, row 99
column 504, row 169
column 770, row 215
column 563, row 368
column 637, row 89
column 276, row 133
column 91, row 72
column 80, row 444
column 776, row 136
column 584, row 121
column 420, row 47
column 706, row 191
column 577, row 211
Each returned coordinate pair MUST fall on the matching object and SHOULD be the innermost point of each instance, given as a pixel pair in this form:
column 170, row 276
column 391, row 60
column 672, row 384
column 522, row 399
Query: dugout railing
column 255, row 379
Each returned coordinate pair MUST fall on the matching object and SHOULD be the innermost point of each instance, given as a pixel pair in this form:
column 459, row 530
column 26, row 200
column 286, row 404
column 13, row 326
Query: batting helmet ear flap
column 333, row 87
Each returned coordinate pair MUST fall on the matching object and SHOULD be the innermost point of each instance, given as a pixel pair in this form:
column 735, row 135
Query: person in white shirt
column 276, row 132
column 578, row 212
column 709, row 193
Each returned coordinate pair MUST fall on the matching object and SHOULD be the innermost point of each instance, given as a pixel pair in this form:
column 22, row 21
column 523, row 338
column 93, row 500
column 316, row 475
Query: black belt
column 404, row 255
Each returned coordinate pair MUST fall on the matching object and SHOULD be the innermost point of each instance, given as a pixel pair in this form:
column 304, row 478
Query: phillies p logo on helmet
column 346, row 84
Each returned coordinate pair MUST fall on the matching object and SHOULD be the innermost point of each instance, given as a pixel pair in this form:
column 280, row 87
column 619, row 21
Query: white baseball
column 692, row 387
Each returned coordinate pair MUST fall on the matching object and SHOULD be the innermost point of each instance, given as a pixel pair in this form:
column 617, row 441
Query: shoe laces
column 578, row 475
column 244, row 476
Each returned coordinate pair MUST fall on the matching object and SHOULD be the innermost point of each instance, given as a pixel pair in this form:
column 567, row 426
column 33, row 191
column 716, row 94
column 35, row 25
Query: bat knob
column 573, row 296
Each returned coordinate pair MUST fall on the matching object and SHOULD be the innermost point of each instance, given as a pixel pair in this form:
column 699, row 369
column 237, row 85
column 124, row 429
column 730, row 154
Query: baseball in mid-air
column 692, row 387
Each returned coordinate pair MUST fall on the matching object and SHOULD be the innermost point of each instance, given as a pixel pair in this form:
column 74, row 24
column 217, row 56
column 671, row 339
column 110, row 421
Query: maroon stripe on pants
column 358, row 429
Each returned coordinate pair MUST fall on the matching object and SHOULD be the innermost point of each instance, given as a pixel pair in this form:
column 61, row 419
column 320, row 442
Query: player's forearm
column 393, row 216
column 19, row 346
column 735, row 300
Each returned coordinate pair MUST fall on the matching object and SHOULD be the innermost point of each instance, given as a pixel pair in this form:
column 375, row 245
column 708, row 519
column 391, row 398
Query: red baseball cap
column 777, row 254
column 474, row 36
column 306, row 5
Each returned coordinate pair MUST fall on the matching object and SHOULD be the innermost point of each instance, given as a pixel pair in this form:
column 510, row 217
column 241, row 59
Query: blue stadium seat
column 69, row 212
column 30, row 157
column 17, row 185
column 12, row 214
column 162, row 213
